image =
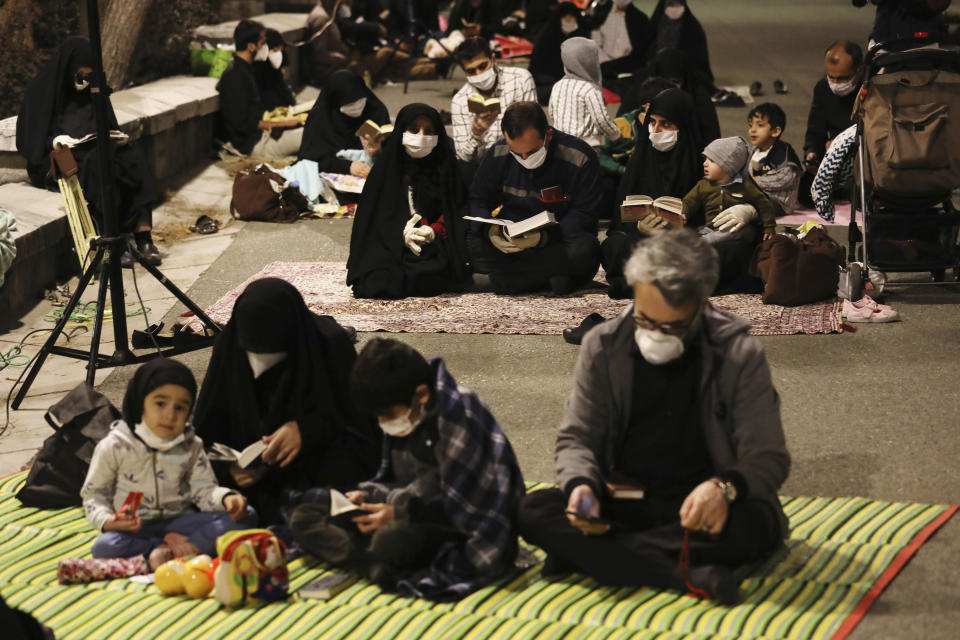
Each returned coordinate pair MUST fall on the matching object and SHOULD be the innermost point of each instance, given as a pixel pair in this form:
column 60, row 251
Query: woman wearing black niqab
column 670, row 31
column 382, row 264
column 546, row 67
column 57, row 102
column 672, row 172
column 331, row 125
column 280, row 372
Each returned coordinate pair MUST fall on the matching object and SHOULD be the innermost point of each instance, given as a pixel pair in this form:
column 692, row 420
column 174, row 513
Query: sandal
column 205, row 225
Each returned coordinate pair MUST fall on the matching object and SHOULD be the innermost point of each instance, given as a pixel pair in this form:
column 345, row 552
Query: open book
column 115, row 134
column 479, row 105
column 534, row 222
column 245, row 458
column 373, row 130
column 342, row 511
column 635, row 208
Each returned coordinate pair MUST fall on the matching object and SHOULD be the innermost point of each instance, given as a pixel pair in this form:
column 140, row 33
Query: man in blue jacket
column 536, row 168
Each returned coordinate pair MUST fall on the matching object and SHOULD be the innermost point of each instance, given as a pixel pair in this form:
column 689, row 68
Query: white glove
column 424, row 234
column 501, row 242
column 734, row 218
column 526, row 240
column 651, row 224
column 65, row 140
column 410, row 235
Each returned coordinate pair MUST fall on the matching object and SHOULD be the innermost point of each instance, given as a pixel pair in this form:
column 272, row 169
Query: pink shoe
column 868, row 310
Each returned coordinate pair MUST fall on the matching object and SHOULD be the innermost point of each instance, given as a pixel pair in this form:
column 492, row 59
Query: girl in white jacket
column 153, row 451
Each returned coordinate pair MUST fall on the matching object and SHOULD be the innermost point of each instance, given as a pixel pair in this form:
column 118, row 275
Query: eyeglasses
column 669, row 328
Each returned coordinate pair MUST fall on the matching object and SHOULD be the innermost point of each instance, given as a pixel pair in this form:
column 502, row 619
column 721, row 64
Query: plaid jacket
column 482, row 487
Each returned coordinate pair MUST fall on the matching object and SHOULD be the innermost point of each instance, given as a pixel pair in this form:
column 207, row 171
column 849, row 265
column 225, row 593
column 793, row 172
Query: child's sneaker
column 868, row 310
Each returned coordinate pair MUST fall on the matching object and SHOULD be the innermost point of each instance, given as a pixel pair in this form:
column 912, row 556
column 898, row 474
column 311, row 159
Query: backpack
column 911, row 131
column 253, row 567
column 261, row 194
column 796, row 272
column 81, row 419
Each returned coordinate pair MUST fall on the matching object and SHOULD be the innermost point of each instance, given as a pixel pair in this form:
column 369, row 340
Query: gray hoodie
column 740, row 409
column 172, row 481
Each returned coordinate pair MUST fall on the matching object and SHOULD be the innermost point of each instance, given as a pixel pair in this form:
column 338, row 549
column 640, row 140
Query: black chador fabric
column 52, row 106
column 380, row 264
column 487, row 15
column 664, row 173
column 684, row 33
column 274, row 91
column 674, row 65
column 328, row 130
column 149, row 377
column 546, row 67
column 311, row 387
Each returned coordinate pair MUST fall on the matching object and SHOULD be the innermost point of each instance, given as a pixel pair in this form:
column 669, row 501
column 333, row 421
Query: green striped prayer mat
column 841, row 554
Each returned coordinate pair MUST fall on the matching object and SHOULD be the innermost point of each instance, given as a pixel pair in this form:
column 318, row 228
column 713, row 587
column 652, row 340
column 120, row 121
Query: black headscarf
column 690, row 37
column 379, row 264
column 52, row 106
column 270, row 316
column 487, row 15
column 545, row 63
column 674, row 64
column 274, row 91
column 327, row 129
column 664, row 173
column 150, row 376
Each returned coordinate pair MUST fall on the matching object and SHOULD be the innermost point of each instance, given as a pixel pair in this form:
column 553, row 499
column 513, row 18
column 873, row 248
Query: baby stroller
column 908, row 119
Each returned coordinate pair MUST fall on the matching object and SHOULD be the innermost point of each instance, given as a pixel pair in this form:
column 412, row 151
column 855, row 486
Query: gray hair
column 682, row 265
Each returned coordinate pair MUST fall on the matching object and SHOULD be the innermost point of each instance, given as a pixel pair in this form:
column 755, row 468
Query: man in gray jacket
column 673, row 398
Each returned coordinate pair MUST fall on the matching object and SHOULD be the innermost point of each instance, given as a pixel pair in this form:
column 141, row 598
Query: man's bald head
column 843, row 60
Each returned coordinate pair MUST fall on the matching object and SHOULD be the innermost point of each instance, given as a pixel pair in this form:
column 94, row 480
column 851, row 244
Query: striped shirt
column 513, row 85
column 576, row 107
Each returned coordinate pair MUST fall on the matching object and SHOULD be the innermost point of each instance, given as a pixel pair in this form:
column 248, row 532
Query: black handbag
column 80, row 420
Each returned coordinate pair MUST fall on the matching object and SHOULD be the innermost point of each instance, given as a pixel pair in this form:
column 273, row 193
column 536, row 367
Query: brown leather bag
column 796, row 272
column 259, row 194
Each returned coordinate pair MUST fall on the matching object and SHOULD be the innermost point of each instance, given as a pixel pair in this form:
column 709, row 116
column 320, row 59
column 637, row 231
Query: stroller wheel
column 938, row 275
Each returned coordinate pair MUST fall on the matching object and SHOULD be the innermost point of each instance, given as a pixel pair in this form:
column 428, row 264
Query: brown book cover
column 373, row 130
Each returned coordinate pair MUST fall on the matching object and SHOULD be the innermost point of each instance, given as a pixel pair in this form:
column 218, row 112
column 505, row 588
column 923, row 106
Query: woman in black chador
column 281, row 373
column 408, row 236
column 57, row 104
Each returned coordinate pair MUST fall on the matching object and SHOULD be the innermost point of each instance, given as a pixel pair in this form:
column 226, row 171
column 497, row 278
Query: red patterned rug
column 325, row 292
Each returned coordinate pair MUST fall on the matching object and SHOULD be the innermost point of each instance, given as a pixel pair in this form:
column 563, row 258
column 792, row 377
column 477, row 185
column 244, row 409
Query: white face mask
column 80, row 86
column 657, row 347
column 569, row 26
column 344, row 12
column 533, row 160
column 664, row 140
column 622, row 4
column 354, row 109
column 675, row 12
column 484, row 81
column 419, row 146
column 276, row 58
column 398, row 427
column 154, row 441
column 262, row 53
column 844, row 88
column 261, row 362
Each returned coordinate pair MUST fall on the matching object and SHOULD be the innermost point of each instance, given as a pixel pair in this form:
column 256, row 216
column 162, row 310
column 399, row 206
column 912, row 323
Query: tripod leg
column 57, row 330
column 105, row 276
column 172, row 288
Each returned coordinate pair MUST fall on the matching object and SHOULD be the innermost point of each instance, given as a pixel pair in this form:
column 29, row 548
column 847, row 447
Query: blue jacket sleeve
column 485, row 191
column 585, row 195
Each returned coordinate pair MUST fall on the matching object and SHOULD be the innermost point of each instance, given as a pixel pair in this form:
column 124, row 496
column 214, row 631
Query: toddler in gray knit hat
column 728, row 157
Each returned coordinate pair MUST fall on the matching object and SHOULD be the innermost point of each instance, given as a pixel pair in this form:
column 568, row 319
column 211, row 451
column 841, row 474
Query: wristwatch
column 727, row 489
